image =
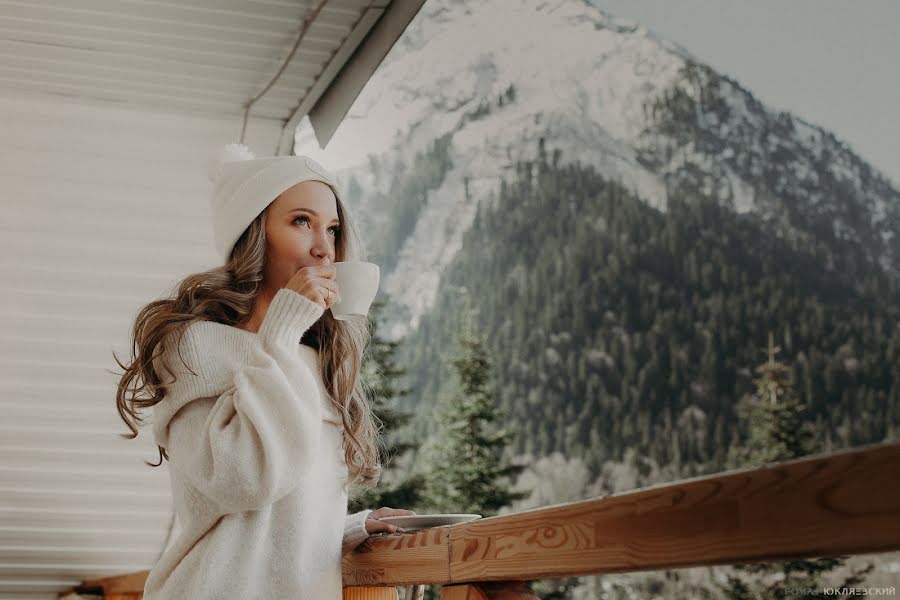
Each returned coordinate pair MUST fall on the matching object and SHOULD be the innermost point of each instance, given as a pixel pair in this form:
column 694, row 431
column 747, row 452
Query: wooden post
column 489, row 590
column 370, row 593
column 465, row 591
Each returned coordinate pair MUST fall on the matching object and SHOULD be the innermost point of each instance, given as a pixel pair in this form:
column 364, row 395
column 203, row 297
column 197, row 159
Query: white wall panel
column 104, row 209
column 110, row 112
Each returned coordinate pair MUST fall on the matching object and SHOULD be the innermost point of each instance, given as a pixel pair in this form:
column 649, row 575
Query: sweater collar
column 214, row 352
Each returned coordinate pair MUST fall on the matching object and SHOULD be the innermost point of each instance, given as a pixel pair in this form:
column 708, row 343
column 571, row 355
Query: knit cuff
column 288, row 317
column 355, row 530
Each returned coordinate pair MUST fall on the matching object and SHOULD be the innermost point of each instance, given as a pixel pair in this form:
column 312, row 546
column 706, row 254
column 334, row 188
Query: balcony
column 838, row 504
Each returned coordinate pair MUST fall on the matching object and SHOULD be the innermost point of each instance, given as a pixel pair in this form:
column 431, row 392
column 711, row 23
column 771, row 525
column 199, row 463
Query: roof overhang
column 203, row 57
column 329, row 101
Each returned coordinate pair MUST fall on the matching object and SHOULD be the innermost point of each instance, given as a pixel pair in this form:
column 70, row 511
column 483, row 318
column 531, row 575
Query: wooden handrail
column 837, row 504
column 829, row 505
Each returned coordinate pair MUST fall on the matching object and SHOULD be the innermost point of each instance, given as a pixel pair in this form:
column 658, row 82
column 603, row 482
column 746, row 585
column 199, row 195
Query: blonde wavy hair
column 227, row 294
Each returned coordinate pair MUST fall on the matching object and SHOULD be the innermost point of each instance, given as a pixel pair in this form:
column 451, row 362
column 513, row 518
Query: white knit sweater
column 255, row 466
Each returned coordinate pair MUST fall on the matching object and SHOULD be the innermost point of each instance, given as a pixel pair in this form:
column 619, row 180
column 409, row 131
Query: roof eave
column 334, row 92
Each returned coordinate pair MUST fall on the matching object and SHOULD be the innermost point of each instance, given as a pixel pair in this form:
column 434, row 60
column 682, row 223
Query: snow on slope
column 583, row 79
column 561, row 57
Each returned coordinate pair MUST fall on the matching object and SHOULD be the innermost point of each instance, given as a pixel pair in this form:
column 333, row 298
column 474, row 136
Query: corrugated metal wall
column 103, row 210
column 200, row 56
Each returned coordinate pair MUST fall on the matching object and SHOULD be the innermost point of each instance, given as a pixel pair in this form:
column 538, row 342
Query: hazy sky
column 832, row 62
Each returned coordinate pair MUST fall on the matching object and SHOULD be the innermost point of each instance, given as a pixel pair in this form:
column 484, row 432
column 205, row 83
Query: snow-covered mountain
column 600, row 90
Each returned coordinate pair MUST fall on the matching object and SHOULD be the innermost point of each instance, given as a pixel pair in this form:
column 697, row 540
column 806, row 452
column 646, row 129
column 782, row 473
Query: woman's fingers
column 376, row 526
column 328, row 284
column 386, row 511
column 373, row 525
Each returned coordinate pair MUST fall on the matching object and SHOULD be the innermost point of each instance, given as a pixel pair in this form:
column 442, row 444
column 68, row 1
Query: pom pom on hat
column 229, row 153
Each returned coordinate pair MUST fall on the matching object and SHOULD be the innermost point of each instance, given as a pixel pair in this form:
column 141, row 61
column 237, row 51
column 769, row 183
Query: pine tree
column 380, row 373
column 778, row 433
column 466, row 465
column 777, row 430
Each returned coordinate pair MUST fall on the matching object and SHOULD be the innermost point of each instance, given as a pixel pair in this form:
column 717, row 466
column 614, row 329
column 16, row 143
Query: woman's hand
column 373, row 525
column 316, row 283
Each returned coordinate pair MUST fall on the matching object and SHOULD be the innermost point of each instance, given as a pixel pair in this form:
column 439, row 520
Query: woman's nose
column 322, row 246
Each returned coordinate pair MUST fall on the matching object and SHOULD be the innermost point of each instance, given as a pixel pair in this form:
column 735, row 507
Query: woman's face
column 301, row 231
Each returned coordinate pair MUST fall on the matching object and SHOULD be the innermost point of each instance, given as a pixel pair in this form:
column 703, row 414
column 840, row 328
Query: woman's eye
column 336, row 228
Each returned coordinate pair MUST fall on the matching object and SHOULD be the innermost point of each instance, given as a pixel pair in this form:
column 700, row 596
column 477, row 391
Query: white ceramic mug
column 357, row 284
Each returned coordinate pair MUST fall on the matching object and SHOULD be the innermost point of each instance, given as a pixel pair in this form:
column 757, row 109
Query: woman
column 257, row 401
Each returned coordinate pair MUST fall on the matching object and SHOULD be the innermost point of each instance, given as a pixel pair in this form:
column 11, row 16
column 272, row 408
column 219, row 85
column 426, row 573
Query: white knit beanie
column 243, row 186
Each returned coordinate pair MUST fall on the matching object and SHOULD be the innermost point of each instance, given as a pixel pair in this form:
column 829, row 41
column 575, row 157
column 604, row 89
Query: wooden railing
column 838, row 504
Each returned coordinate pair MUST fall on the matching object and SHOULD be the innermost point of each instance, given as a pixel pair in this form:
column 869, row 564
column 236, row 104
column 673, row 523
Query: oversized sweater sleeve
column 355, row 532
column 252, row 444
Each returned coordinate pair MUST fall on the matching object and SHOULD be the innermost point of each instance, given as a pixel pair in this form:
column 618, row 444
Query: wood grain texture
column 506, row 590
column 831, row 505
column 828, row 505
column 844, row 503
column 462, row 592
column 369, row 593
column 400, row 559
column 121, row 584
